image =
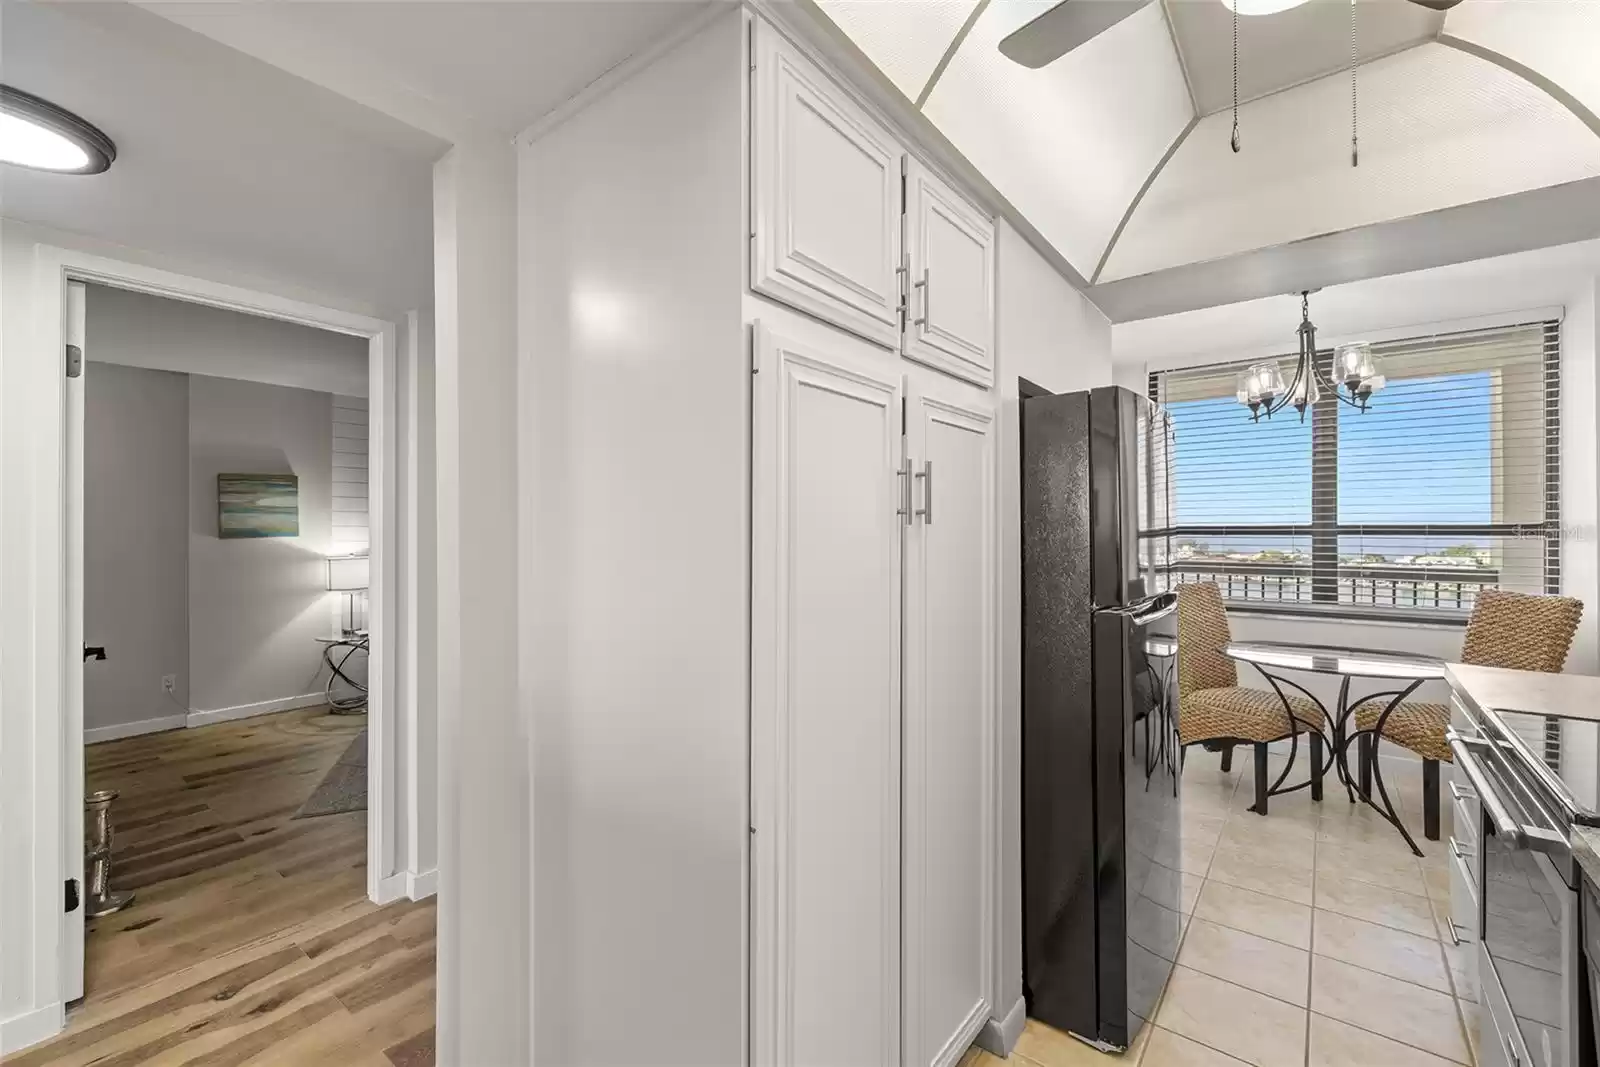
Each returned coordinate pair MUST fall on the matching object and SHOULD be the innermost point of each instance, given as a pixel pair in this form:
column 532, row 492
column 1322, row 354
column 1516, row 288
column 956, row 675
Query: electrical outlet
column 169, row 683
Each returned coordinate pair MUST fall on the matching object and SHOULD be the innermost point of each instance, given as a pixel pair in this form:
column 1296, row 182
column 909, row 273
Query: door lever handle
column 95, row 652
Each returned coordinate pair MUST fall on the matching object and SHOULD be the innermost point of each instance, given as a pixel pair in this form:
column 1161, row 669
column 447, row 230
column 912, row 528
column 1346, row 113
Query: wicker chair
column 1216, row 711
column 1516, row 630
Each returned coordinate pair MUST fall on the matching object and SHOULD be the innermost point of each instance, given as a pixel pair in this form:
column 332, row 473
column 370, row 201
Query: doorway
column 58, row 517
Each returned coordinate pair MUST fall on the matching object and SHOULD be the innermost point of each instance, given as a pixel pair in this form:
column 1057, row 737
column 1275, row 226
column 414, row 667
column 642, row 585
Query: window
column 1447, row 484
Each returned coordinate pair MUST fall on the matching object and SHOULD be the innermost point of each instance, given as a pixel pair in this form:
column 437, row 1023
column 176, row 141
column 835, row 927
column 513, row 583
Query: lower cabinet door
column 828, row 523
column 950, row 727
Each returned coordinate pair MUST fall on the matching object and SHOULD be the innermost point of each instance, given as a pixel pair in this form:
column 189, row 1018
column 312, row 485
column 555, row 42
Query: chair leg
column 1261, row 779
column 1227, row 758
column 1317, row 765
column 1430, row 799
column 1364, row 759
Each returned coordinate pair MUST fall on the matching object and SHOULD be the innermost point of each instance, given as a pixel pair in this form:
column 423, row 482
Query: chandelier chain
column 1234, row 140
column 1355, row 148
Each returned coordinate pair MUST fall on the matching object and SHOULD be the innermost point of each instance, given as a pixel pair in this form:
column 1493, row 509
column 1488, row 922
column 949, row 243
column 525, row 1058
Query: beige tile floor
column 1313, row 939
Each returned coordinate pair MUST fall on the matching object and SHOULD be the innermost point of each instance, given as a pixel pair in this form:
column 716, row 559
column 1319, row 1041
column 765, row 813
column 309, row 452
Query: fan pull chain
column 1355, row 146
column 1234, row 141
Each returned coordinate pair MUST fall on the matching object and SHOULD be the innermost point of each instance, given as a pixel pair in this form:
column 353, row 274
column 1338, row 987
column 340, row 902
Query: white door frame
column 57, row 743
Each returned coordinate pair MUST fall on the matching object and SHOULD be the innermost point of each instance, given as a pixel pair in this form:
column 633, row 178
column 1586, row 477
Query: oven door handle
column 1504, row 825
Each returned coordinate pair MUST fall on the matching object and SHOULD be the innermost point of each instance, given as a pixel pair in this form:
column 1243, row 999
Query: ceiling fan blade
column 1063, row 28
column 1437, row 5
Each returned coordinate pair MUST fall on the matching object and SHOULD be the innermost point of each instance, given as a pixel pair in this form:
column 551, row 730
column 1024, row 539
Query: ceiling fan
column 1072, row 22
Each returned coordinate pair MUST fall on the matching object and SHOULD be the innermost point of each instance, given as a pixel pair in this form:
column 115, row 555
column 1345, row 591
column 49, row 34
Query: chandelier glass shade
column 1261, row 386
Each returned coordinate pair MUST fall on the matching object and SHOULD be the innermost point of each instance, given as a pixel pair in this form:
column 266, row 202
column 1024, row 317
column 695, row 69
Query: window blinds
column 1447, row 484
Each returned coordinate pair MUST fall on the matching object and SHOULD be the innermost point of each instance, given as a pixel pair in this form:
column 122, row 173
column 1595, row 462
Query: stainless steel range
column 1513, row 823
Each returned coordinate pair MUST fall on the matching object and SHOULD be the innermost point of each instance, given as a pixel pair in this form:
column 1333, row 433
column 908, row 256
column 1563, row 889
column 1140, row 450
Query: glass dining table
column 1405, row 670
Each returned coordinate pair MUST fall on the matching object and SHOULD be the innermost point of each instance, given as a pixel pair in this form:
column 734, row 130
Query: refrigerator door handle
column 1149, row 609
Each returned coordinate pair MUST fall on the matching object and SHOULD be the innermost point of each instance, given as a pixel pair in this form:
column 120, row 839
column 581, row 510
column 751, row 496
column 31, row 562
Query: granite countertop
column 1564, row 696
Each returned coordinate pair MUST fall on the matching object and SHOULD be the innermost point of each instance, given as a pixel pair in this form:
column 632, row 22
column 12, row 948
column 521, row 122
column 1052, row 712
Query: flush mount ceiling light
column 36, row 133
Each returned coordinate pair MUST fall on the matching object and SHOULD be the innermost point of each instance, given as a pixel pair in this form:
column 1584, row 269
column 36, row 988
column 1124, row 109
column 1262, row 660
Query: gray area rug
column 344, row 788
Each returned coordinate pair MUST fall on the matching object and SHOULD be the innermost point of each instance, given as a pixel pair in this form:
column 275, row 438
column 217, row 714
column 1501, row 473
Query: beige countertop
column 1565, row 696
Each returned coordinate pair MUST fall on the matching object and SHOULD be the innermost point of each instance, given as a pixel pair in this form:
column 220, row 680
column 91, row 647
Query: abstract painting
column 258, row 505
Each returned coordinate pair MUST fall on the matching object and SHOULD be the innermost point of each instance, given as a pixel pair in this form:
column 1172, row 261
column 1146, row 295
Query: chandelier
column 1355, row 371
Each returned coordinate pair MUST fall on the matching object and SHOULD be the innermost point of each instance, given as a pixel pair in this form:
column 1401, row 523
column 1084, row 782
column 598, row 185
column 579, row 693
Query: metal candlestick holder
column 97, row 856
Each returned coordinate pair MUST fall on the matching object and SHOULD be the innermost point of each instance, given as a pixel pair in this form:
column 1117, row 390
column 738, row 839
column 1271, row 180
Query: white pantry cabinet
column 950, row 250
column 828, row 482
column 873, row 566
column 848, row 226
column 951, row 571
column 826, row 196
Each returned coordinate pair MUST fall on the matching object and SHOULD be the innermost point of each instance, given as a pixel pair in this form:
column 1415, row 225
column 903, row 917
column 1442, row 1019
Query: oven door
column 1530, row 948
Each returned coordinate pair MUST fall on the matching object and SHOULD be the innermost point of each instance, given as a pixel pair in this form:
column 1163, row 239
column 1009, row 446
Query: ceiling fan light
column 1261, row 7
column 37, row 134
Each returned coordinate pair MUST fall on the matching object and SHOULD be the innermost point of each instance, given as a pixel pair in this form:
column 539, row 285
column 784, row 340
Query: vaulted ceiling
column 1118, row 152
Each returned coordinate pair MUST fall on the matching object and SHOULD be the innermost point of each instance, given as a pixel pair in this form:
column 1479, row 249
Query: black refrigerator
column 1101, row 835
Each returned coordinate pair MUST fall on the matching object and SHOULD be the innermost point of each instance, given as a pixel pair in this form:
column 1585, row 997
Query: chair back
column 1202, row 635
column 1521, row 631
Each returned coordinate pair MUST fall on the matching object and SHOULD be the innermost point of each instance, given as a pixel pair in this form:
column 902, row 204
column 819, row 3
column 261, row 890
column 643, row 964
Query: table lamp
column 347, row 574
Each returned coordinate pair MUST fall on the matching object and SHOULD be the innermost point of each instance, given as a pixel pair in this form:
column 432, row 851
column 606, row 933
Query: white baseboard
column 1000, row 1036
column 389, row 889
column 424, row 885
column 247, row 711
column 31, row 1027
column 95, row 734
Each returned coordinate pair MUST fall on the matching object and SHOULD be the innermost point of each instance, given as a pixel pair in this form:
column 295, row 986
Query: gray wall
column 257, row 606
column 135, row 543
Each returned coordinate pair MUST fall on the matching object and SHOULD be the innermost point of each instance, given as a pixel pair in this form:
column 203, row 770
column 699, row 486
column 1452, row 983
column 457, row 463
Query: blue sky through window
column 1420, row 454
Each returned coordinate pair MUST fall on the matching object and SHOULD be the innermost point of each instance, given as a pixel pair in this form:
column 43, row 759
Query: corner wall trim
column 999, row 1036
column 424, row 885
column 32, row 1027
column 247, row 711
column 95, row 734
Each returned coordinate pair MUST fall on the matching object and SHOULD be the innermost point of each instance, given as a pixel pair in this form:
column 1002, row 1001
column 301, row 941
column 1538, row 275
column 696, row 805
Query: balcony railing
column 1362, row 585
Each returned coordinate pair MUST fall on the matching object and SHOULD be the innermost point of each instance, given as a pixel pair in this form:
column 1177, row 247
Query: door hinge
column 72, row 895
column 74, row 361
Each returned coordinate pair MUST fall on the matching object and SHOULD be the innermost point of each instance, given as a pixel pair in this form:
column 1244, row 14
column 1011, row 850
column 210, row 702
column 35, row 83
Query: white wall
column 635, row 406
column 258, row 605
column 140, row 330
column 1050, row 334
column 135, row 545
column 485, row 848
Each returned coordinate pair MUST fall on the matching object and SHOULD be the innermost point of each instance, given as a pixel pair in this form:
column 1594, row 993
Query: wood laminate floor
column 252, row 940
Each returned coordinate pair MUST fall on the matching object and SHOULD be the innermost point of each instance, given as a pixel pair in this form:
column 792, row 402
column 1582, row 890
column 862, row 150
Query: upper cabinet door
column 825, row 197
column 950, row 311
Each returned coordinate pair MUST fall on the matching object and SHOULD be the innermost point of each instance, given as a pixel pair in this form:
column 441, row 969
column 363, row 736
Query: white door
column 950, row 249
column 72, row 722
column 827, row 522
column 825, row 196
column 949, row 738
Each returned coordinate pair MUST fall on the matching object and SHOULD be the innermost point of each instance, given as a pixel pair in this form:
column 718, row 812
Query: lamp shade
column 347, row 572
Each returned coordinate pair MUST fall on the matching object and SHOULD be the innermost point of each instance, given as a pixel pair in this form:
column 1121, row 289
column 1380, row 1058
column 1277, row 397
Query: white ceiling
column 453, row 67
column 1116, row 154
column 1439, row 128
column 1290, row 47
column 222, row 159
